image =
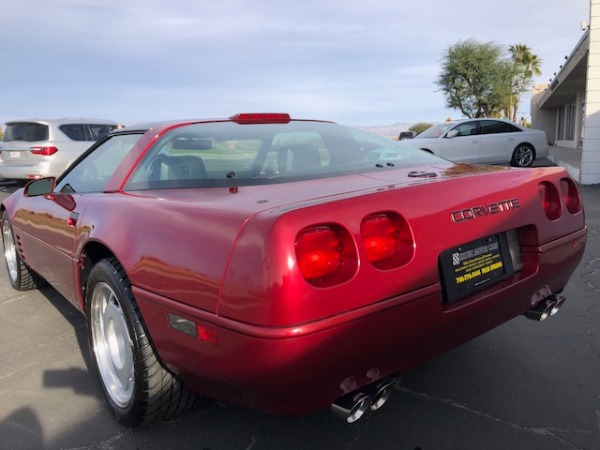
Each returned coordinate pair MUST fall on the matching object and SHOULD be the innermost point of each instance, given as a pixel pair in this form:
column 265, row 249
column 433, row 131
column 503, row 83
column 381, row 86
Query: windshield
column 227, row 153
column 435, row 131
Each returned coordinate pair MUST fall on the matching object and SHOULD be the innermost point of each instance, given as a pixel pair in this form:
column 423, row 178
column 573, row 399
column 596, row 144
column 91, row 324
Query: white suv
column 46, row 147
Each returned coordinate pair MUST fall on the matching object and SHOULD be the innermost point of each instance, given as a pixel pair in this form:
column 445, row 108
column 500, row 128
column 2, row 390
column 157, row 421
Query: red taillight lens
column 380, row 237
column 319, row 252
column 326, row 255
column 44, row 151
column 550, row 200
column 570, row 195
column 387, row 240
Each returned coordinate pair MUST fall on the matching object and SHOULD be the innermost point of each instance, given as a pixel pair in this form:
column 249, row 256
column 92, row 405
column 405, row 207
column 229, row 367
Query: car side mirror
column 451, row 134
column 43, row 186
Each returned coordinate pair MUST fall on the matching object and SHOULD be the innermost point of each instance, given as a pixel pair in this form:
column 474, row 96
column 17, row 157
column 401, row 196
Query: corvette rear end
column 285, row 265
column 327, row 301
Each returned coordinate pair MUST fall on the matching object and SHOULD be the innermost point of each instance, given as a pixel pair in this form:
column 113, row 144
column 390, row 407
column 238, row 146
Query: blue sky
column 357, row 63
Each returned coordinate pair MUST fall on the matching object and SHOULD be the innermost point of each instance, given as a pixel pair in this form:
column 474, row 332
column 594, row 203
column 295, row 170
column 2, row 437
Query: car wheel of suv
column 139, row 389
column 523, row 156
column 21, row 276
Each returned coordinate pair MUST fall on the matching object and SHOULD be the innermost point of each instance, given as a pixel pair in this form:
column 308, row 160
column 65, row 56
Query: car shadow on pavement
column 75, row 378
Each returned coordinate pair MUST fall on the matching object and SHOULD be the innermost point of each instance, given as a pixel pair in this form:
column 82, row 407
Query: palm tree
column 526, row 65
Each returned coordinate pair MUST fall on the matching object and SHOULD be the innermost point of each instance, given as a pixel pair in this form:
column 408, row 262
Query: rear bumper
column 30, row 170
column 303, row 368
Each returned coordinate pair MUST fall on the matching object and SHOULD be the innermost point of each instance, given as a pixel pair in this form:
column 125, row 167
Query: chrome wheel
column 523, row 156
column 112, row 344
column 10, row 252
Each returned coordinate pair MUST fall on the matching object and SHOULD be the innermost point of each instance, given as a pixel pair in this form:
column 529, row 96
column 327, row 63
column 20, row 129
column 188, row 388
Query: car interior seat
column 186, row 167
column 298, row 157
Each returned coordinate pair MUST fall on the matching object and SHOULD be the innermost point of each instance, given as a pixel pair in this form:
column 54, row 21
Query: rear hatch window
column 25, row 131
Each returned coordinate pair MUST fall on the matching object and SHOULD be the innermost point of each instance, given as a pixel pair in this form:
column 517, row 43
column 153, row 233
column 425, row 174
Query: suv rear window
column 25, row 131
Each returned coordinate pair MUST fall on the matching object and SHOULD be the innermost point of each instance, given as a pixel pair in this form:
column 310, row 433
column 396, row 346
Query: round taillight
column 318, row 251
column 387, row 240
column 326, row 255
column 550, row 200
column 570, row 195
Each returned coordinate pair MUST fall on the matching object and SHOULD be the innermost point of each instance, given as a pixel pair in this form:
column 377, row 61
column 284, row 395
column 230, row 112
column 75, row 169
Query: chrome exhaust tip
column 352, row 406
column 381, row 392
column 545, row 308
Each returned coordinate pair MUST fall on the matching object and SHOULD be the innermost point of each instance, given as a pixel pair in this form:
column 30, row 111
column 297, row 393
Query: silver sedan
column 488, row 141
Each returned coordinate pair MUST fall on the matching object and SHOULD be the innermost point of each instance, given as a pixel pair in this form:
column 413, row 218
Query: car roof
column 63, row 120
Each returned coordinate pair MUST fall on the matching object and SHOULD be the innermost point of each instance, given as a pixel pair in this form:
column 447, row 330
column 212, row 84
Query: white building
column 568, row 108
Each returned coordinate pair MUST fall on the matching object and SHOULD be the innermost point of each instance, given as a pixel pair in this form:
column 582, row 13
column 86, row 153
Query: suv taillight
column 43, row 151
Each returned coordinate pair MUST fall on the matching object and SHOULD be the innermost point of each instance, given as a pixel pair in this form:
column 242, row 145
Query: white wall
column 590, row 156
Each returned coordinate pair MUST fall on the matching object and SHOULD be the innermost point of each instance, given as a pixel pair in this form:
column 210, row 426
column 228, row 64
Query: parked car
column 46, row 147
column 285, row 265
column 489, row 141
column 406, row 135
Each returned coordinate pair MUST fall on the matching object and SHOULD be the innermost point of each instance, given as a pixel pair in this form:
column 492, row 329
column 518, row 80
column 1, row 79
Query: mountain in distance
column 389, row 131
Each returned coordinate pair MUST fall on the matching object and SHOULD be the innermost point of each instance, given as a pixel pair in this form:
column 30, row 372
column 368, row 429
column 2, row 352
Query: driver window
column 467, row 129
column 92, row 172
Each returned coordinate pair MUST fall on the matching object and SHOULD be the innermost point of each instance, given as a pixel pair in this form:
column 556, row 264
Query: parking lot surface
column 524, row 385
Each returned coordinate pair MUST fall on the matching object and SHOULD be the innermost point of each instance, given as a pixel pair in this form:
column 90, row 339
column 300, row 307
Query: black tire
column 523, row 156
column 21, row 276
column 138, row 388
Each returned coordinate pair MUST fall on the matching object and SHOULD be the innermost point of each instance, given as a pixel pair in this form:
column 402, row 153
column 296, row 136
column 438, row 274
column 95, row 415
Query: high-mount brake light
column 43, row 151
column 257, row 118
column 326, row 255
column 570, row 195
column 550, row 200
column 387, row 240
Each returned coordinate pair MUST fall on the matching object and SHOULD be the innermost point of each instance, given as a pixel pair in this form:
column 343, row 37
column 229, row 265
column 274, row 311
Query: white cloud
column 347, row 61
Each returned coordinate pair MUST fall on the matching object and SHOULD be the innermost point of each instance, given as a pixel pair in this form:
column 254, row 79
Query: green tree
column 525, row 66
column 420, row 126
column 475, row 79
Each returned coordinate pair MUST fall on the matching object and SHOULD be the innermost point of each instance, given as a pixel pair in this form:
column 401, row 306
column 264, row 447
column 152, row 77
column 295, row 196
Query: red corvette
column 285, row 265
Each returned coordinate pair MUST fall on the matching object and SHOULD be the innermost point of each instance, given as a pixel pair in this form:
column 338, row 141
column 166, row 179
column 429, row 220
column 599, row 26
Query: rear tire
column 138, row 388
column 21, row 276
column 523, row 156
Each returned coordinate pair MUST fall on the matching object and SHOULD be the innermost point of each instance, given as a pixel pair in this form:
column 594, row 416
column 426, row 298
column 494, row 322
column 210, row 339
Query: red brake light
column 319, row 252
column 254, row 118
column 379, row 236
column 570, row 195
column 387, row 240
column 44, row 151
column 326, row 255
column 550, row 200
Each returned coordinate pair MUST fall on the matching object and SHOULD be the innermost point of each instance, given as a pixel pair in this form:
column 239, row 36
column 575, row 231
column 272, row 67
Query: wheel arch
column 91, row 254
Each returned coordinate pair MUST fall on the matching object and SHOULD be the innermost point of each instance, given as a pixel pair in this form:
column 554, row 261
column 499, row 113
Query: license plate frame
column 474, row 266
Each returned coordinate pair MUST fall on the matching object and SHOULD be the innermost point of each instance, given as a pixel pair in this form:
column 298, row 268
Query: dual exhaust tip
column 545, row 308
column 354, row 405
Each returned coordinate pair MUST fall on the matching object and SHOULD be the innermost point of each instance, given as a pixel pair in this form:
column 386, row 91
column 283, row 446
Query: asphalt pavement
column 524, row 385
